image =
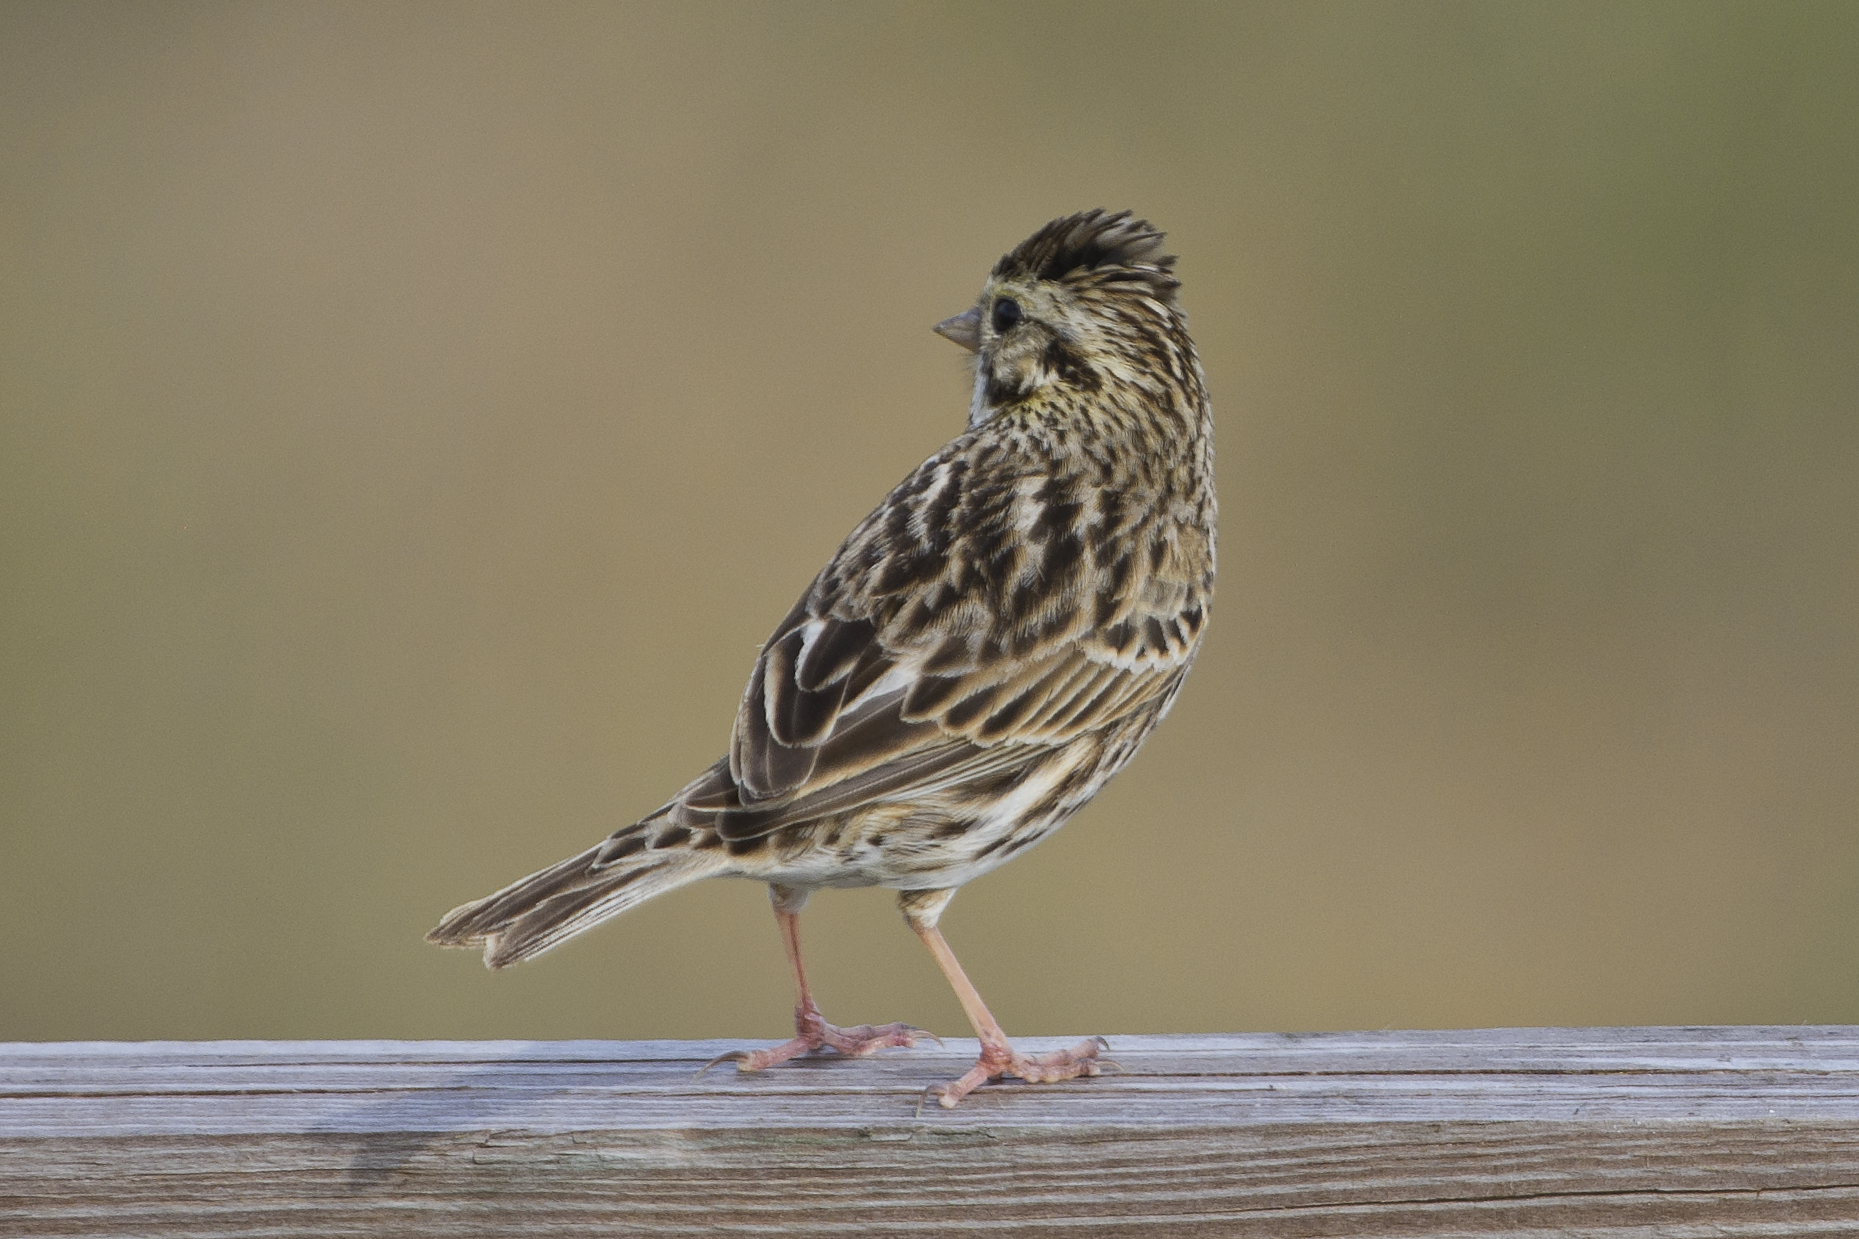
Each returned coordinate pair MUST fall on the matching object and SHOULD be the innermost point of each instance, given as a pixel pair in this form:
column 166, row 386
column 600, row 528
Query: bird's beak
column 964, row 329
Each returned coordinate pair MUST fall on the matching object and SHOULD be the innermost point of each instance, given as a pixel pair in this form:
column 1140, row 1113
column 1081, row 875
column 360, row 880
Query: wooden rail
column 1622, row 1133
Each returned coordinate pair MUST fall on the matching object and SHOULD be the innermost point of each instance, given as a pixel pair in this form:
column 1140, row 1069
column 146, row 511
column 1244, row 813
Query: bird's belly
column 926, row 846
column 906, row 860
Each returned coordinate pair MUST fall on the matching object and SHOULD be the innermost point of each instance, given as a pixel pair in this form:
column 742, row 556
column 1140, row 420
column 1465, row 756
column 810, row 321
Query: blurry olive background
column 415, row 415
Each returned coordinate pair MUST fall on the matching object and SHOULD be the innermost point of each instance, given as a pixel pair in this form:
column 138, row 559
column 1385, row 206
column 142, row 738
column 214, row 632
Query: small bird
column 983, row 653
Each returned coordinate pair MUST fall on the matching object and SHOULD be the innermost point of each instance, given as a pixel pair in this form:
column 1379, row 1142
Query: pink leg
column 811, row 1031
column 997, row 1056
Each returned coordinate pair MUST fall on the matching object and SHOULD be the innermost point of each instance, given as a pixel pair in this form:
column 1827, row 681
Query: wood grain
column 1638, row 1132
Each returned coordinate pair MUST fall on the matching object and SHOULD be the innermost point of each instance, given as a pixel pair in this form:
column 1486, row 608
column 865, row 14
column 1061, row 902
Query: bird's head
column 1082, row 303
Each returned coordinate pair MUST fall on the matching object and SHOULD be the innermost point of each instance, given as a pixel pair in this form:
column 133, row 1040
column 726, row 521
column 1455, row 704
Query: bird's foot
column 1001, row 1060
column 812, row 1032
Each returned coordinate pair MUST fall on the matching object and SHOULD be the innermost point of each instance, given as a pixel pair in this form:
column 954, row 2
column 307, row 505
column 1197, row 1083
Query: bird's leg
column 923, row 909
column 811, row 1031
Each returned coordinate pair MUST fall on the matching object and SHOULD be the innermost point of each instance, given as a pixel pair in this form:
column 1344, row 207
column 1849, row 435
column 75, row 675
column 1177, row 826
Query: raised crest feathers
column 1096, row 244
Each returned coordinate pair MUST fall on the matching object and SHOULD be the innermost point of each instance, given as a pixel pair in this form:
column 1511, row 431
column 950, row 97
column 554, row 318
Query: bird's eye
column 1006, row 314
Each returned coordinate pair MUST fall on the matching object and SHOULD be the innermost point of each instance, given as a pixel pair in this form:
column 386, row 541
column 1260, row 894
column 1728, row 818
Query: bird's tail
column 528, row 917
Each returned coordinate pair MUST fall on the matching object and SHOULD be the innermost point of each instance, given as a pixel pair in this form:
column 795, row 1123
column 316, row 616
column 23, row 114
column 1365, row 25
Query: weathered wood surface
column 1622, row 1133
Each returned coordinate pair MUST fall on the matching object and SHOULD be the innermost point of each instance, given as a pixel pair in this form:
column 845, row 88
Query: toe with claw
column 812, row 1032
column 998, row 1060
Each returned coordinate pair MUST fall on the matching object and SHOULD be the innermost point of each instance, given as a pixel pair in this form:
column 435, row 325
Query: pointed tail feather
column 528, row 917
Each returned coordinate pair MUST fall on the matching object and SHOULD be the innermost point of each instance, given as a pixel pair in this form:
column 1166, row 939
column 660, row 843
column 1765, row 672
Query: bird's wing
column 857, row 697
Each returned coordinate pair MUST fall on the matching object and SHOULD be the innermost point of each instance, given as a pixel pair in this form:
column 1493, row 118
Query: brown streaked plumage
column 986, row 649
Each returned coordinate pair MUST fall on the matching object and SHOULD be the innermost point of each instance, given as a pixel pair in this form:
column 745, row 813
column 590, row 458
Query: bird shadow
column 473, row 1094
column 468, row 1093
